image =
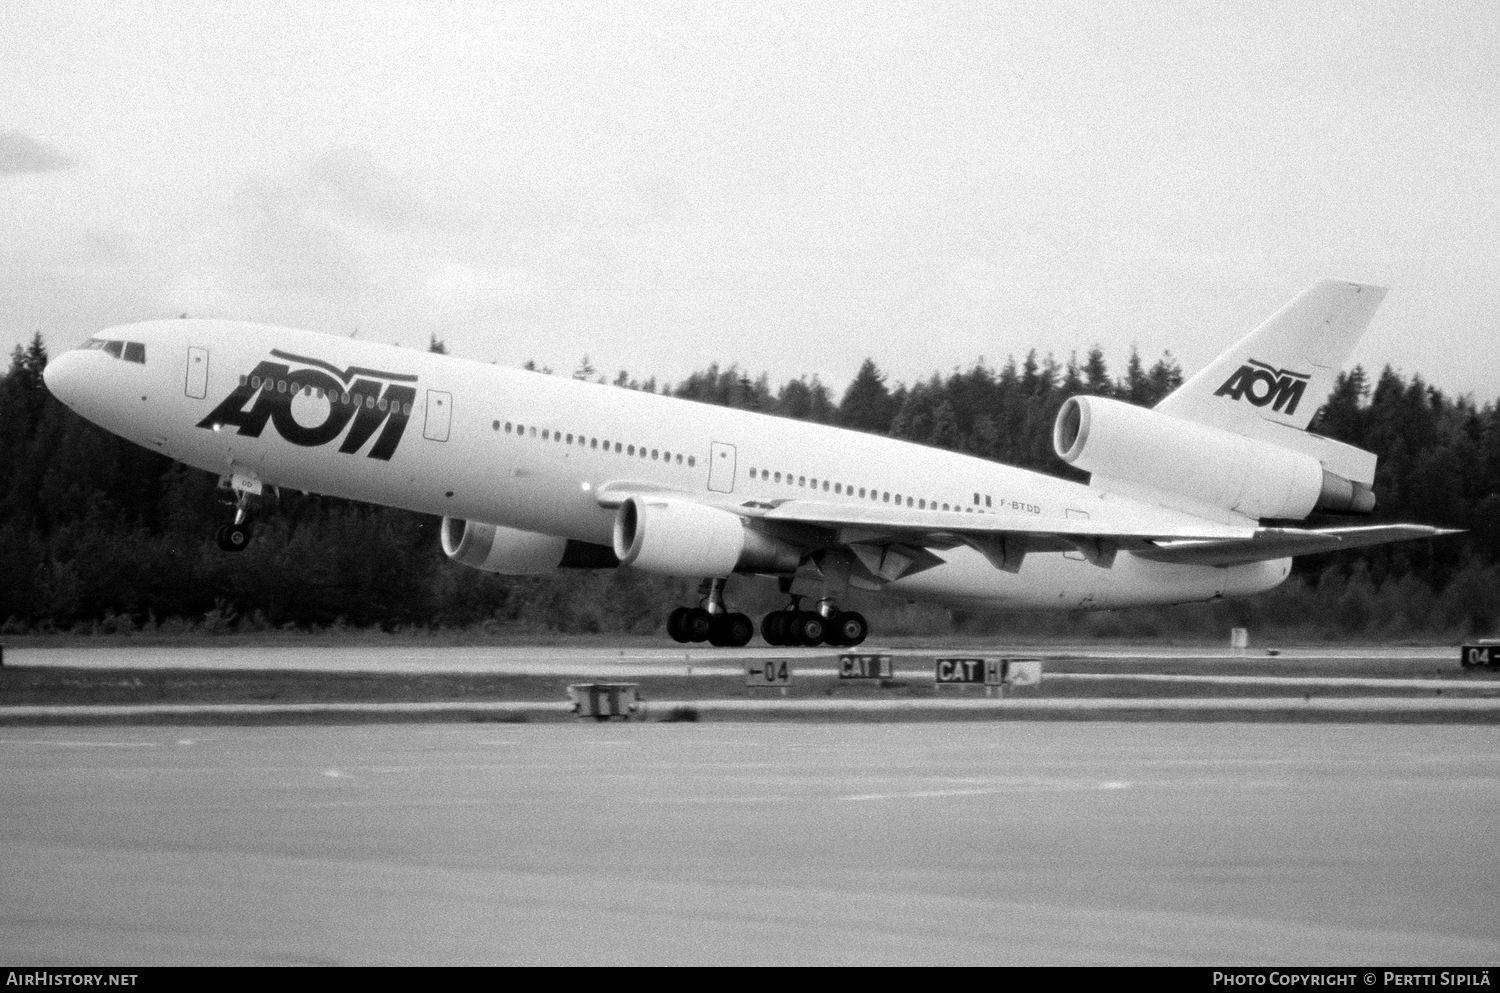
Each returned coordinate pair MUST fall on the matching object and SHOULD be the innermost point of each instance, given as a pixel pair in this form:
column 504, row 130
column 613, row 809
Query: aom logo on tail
column 1262, row 384
column 312, row 405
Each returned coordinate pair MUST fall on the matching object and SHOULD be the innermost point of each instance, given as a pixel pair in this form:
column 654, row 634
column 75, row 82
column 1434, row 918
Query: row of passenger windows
column 584, row 441
column 293, row 387
column 621, row 448
column 130, row 351
column 869, row 493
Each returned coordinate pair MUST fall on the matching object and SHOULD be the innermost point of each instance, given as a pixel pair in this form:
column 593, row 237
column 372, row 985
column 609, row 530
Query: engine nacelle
column 1254, row 478
column 512, row 552
column 682, row 538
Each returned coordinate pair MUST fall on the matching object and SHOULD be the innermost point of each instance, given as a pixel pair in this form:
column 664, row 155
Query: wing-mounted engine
column 1246, row 475
column 512, row 552
column 679, row 537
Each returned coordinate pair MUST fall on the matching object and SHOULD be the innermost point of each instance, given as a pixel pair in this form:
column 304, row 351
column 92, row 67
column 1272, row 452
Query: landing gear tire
column 773, row 628
column 675, row 626
column 848, row 629
column 232, row 537
column 807, row 628
column 696, row 624
column 730, row 630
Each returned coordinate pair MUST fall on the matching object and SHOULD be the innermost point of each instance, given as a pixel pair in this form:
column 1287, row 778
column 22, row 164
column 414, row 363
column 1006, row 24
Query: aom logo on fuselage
column 327, row 400
column 1262, row 384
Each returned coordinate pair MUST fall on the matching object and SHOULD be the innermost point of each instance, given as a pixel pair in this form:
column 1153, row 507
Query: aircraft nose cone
column 64, row 376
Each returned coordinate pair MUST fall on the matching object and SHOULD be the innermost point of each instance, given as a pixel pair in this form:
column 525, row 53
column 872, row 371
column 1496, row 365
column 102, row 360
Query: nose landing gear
column 234, row 537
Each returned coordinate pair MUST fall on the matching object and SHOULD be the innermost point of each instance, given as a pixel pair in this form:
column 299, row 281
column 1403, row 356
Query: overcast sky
column 791, row 187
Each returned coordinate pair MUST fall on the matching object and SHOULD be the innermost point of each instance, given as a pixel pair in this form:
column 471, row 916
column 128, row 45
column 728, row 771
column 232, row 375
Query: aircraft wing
column 899, row 539
column 891, row 540
column 1279, row 543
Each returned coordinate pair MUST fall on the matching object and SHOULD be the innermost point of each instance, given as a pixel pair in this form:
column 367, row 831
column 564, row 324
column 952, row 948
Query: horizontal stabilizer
column 1280, row 543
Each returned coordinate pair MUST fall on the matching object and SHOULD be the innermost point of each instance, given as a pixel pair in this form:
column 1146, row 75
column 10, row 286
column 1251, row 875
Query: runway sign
column 866, row 666
column 987, row 672
column 1479, row 655
column 1023, row 672
column 602, row 701
column 969, row 671
column 768, row 672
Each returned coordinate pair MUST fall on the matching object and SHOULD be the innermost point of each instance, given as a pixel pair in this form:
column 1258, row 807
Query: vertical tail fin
column 1283, row 370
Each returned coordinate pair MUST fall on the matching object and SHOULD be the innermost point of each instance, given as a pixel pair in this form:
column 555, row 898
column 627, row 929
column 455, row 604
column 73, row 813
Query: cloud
column 349, row 181
column 20, row 153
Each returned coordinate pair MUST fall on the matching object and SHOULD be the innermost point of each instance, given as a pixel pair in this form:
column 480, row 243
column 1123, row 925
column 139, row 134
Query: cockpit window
column 130, row 351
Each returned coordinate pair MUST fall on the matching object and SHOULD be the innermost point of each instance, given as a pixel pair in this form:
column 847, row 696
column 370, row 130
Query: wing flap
column 1280, row 543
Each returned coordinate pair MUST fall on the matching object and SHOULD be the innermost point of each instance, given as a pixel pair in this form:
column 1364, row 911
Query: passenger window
column 886, row 497
column 630, row 450
column 545, row 434
column 655, row 454
column 381, row 404
column 533, row 430
column 255, row 382
column 593, row 442
column 617, row 446
column 280, row 386
column 987, row 500
column 861, row 492
column 570, row 439
column 825, row 486
column 679, row 458
column 801, row 480
column 778, row 477
column 838, row 487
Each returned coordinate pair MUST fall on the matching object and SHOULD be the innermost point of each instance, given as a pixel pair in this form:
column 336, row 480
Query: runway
column 737, row 843
column 636, row 661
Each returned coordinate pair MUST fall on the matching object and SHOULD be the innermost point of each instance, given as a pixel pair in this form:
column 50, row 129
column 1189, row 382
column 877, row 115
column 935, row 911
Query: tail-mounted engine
column 1248, row 476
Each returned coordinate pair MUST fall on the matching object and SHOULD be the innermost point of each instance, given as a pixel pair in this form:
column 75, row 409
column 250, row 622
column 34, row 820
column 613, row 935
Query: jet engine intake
column 513, row 552
column 1151, row 449
column 682, row 538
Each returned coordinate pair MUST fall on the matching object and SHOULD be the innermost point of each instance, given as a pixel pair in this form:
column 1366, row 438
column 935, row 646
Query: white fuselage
column 531, row 451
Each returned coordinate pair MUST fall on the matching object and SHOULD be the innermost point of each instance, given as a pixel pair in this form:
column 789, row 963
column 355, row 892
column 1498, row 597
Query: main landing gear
column 828, row 626
column 710, row 621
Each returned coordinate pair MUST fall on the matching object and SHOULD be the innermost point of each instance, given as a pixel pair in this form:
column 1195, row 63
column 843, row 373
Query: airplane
column 1187, row 501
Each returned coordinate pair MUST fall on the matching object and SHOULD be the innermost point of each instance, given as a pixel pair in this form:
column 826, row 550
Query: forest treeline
column 100, row 535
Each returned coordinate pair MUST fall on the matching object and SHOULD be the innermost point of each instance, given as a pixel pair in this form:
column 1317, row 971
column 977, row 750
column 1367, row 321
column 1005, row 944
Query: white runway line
column 1489, row 686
